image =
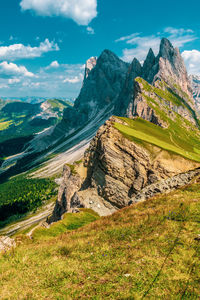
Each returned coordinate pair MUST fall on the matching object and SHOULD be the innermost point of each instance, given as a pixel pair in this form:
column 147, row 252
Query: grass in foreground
column 147, row 251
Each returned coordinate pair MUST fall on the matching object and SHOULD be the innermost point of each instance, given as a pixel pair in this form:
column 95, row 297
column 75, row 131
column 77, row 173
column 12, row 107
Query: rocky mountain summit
column 166, row 72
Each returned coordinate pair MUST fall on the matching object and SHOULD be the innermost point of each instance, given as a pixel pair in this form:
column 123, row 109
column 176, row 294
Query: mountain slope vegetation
column 141, row 251
column 19, row 119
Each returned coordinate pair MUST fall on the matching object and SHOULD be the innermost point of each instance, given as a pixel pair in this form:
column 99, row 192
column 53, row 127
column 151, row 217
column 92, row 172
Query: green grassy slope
column 146, row 251
column 174, row 139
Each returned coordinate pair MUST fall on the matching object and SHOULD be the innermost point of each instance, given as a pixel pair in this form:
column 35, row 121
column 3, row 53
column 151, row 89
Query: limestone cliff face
column 166, row 185
column 148, row 99
column 119, row 168
column 195, row 82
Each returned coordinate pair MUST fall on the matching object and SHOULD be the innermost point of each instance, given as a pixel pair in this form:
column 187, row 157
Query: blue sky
column 45, row 43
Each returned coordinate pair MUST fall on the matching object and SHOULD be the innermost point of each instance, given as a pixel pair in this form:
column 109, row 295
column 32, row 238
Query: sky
column 44, row 44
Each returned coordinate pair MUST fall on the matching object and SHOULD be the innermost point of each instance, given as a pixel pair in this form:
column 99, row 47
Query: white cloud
column 13, row 80
column 19, row 51
column 54, row 64
column 127, row 38
column 81, row 11
column 73, row 80
column 90, row 30
column 46, row 82
column 192, row 61
column 10, row 69
column 3, row 86
column 141, row 44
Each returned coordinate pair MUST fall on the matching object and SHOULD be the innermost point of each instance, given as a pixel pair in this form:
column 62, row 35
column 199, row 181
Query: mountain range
column 151, row 120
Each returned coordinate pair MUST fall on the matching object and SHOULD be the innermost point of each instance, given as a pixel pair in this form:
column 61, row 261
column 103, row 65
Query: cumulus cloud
column 64, row 80
column 54, row 64
column 90, row 30
column 10, row 69
column 13, row 80
column 139, row 45
column 192, row 61
column 74, row 80
column 81, row 11
column 19, row 51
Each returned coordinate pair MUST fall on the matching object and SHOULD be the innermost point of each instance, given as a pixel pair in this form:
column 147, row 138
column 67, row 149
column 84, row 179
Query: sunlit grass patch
column 5, row 125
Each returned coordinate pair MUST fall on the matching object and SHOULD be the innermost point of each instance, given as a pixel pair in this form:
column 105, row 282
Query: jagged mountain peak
column 150, row 56
column 166, row 49
column 111, row 60
column 136, row 64
column 169, row 66
column 108, row 54
column 168, row 52
column 148, row 70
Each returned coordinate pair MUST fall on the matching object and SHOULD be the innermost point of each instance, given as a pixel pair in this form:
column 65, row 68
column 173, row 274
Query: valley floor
column 147, row 251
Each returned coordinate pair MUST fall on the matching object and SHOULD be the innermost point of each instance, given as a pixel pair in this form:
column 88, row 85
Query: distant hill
column 19, row 120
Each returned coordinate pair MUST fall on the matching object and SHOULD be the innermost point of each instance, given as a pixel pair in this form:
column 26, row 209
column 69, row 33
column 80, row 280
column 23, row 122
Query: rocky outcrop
column 195, row 82
column 6, row 243
column 141, row 107
column 119, row 168
column 90, row 64
column 68, row 200
column 165, row 186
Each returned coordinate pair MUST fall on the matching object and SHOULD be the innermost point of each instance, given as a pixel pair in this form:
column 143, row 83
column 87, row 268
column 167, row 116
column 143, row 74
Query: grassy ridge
column 184, row 144
column 144, row 251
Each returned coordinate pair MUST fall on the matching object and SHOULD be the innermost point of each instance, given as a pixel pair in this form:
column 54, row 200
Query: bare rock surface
column 195, row 82
column 165, row 186
column 68, row 200
column 6, row 243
